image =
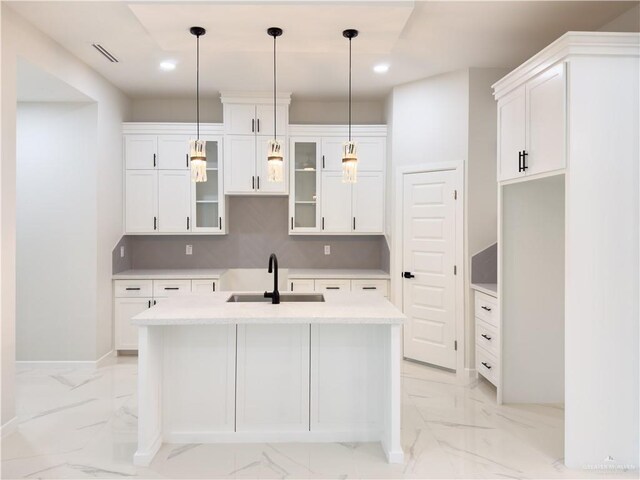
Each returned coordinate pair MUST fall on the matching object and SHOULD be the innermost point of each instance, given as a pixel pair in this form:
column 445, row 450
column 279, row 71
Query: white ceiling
column 418, row 39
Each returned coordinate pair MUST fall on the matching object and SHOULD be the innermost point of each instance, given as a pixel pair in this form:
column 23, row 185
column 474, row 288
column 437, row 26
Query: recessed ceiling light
column 167, row 65
column 381, row 68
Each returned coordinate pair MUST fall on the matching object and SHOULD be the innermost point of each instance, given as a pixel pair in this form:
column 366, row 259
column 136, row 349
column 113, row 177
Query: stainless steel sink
column 284, row 298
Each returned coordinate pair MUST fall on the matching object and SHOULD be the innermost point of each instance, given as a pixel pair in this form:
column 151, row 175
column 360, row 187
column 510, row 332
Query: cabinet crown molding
column 162, row 128
column 568, row 45
column 282, row 98
column 337, row 130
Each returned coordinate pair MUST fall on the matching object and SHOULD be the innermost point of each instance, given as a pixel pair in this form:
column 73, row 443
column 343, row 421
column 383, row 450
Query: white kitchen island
column 216, row 371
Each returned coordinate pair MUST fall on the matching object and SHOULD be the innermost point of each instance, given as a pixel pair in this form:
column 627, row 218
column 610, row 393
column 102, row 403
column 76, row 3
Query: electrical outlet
column 189, row 250
column 327, row 249
column 121, row 251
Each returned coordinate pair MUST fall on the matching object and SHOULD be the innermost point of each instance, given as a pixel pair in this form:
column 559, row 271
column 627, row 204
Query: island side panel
column 199, row 365
column 391, row 442
column 149, row 394
column 347, row 381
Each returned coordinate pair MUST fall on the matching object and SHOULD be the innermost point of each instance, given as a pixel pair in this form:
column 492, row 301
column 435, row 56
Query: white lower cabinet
column 328, row 285
column 203, row 286
column 487, row 323
column 303, row 285
column 309, row 285
column 126, row 334
column 272, row 391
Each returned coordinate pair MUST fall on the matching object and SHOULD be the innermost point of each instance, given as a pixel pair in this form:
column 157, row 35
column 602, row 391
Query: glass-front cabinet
column 207, row 200
column 304, row 199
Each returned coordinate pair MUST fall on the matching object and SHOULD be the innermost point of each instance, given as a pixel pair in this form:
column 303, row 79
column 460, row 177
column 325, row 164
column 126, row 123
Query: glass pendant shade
column 275, row 162
column 198, row 160
column 349, row 162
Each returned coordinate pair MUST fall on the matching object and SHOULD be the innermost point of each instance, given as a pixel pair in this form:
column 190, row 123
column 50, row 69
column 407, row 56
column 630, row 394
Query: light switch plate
column 189, row 250
column 327, row 249
column 121, row 251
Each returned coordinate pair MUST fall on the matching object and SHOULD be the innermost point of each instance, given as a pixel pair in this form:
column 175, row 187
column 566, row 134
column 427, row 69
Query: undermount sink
column 284, row 298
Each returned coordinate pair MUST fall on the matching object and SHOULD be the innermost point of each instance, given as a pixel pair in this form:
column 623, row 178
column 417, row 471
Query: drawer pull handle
column 172, row 288
column 132, row 288
column 369, row 288
column 486, row 365
column 333, row 288
column 485, row 308
column 149, row 303
column 486, row 336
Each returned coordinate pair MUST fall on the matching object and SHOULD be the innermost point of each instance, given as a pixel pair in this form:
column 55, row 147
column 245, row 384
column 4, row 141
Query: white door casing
column 429, row 253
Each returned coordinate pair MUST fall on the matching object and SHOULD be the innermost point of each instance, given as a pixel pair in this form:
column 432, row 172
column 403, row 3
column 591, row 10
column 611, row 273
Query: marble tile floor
column 82, row 424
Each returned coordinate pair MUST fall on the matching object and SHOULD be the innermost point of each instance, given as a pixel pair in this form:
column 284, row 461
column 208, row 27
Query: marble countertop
column 488, row 288
column 213, row 309
column 346, row 273
column 177, row 273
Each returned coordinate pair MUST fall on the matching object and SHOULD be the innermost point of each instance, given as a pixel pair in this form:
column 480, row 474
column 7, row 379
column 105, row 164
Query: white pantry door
column 429, row 233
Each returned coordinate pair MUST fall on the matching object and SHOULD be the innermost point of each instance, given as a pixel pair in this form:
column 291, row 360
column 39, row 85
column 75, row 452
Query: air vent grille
column 105, row 52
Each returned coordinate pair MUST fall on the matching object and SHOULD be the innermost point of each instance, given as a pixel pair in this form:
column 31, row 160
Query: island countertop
column 213, row 309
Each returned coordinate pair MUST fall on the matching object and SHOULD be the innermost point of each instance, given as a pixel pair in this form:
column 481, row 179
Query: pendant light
column 275, row 159
column 349, row 148
column 197, row 147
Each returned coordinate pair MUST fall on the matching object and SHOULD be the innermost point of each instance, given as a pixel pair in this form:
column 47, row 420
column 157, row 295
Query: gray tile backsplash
column 484, row 265
column 257, row 227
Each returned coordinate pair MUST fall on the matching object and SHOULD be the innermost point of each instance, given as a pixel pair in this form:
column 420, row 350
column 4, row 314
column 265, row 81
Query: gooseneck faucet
column 273, row 268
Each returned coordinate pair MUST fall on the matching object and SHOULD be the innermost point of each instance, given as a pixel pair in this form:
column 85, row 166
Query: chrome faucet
column 273, row 268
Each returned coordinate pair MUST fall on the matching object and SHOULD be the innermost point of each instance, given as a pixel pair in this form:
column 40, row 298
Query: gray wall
column 257, row 227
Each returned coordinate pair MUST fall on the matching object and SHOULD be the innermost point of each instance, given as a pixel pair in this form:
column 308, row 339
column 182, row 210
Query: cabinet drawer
column 303, row 285
column 171, row 288
column 486, row 308
column 487, row 365
column 327, row 284
column 204, row 285
column 379, row 286
column 487, row 337
column 132, row 288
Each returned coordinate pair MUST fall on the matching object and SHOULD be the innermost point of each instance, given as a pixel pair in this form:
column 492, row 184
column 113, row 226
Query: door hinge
column 455, row 269
column 455, row 194
column 455, row 345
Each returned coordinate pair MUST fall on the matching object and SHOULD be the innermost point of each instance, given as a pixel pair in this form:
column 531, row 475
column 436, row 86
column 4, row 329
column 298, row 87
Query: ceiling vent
column 105, row 53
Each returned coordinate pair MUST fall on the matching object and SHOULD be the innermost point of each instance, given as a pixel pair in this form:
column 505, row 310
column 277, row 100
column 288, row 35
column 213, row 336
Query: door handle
column 519, row 161
column 485, row 308
column 187, row 155
column 187, row 223
column 486, row 336
column 219, row 223
column 253, row 125
column 154, row 160
column 253, row 183
column 408, row 275
column 258, row 125
column 524, row 160
column 258, row 182
column 155, row 223
column 486, row 365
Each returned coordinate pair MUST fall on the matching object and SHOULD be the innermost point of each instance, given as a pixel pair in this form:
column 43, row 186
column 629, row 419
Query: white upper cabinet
column 511, row 134
column 304, row 197
column 546, row 120
column 371, row 153
column 141, row 201
column 531, row 126
column 173, row 152
column 240, row 164
column 332, row 154
column 160, row 197
column 368, row 203
column 248, row 126
column 336, row 204
column 140, row 152
column 174, row 201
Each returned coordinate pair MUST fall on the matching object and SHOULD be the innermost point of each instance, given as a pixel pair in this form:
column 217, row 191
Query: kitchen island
column 235, row 368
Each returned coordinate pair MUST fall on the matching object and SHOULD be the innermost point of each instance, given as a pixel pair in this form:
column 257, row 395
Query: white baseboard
column 107, row 359
column 9, row 427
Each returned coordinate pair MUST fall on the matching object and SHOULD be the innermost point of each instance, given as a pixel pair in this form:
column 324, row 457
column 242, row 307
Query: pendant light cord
column 198, row 86
column 349, row 89
column 275, row 130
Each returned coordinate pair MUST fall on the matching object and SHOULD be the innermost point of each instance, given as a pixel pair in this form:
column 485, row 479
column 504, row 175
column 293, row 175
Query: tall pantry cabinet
column 568, row 260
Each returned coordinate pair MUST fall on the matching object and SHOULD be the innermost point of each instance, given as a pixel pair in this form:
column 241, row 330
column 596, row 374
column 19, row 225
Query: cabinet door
column 368, row 203
column 332, row 154
column 332, row 285
column 304, row 201
column 141, row 201
column 263, row 185
column 203, row 286
column 207, row 199
column 240, row 119
column 372, row 152
column 124, row 310
column 174, row 201
column 511, row 134
column 336, row 203
column 140, row 151
column 239, row 163
column 302, row 285
column 273, row 378
column 173, row 152
column 546, row 121
column 264, row 120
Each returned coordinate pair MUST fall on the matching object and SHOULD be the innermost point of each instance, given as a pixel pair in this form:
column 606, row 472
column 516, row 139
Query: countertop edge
column 486, row 288
column 270, row 321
